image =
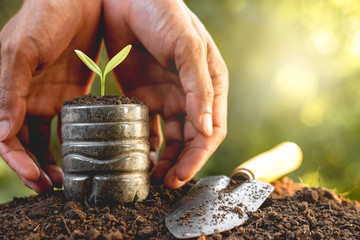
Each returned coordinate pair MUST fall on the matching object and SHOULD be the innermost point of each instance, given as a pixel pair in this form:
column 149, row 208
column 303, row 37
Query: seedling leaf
column 117, row 59
column 89, row 62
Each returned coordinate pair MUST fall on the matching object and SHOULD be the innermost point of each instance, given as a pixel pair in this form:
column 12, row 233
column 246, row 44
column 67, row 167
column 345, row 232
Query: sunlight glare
column 295, row 83
column 325, row 41
column 312, row 113
column 355, row 46
column 236, row 5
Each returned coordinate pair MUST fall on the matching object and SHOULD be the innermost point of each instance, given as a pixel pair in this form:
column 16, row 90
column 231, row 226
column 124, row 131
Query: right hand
column 176, row 68
column 38, row 70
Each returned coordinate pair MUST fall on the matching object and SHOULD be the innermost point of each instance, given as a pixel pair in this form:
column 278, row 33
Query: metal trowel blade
column 212, row 206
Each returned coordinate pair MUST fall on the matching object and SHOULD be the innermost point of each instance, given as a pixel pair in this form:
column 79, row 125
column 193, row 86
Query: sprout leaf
column 117, row 59
column 89, row 62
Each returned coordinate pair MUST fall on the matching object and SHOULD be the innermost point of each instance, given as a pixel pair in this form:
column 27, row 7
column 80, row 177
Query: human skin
column 174, row 66
column 38, row 70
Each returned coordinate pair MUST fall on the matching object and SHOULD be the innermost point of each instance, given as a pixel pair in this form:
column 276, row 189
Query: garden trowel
column 220, row 203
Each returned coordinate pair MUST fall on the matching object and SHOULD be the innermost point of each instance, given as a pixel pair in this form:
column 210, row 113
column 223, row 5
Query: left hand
column 38, row 71
column 176, row 68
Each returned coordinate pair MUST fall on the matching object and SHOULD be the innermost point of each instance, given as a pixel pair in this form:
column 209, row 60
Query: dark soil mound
column 292, row 212
column 90, row 99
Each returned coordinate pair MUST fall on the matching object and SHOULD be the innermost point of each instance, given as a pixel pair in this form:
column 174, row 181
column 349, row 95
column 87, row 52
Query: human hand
column 38, row 70
column 177, row 70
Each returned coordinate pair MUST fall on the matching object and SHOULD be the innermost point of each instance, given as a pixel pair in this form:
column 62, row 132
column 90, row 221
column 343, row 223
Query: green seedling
column 116, row 60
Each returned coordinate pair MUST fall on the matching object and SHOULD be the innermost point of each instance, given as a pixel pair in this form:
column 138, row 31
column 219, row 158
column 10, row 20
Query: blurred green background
column 294, row 75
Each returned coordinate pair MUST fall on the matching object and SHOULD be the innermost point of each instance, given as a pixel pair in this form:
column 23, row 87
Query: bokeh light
column 294, row 70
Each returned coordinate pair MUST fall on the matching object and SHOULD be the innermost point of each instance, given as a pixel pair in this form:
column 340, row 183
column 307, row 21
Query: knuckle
column 222, row 133
column 220, row 83
column 14, row 49
column 209, row 94
column 21, row 49
column 224, row 70
column 221, row 88
column 220, row 67
column 196, row 46
column 9, row 48
column 191, row 44
column 220, row 75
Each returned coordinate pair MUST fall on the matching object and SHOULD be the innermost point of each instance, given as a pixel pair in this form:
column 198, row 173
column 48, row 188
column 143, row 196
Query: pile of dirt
column 90, row 99
column 291, row 212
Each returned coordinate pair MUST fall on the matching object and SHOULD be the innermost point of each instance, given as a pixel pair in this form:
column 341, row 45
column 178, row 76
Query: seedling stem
column 116, row 60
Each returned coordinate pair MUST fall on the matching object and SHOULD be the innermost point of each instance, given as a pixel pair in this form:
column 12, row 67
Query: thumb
column 12, row 112
column 191, row 62
column 15, row 75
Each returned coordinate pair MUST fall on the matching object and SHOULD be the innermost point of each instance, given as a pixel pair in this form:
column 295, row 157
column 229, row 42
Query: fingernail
column 170, row 180
column 206, row 121
column 4, row 130
column 56, row 175
column 153, row 156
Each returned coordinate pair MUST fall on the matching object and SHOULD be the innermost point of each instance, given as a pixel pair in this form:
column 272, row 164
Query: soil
column 293, row 211
column 90, row 99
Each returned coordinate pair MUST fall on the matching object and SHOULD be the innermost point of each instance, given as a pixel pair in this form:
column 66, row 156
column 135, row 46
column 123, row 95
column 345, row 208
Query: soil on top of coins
column 90, row 99
column 292, row 211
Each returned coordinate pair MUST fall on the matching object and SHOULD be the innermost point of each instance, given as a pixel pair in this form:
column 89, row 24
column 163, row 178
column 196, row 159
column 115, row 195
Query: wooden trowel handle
column 272, row 164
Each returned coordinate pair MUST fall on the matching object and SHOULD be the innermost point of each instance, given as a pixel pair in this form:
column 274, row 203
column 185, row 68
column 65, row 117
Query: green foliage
column 89, row 63
column 294, row 75
column 11, row 185
column 115, row 61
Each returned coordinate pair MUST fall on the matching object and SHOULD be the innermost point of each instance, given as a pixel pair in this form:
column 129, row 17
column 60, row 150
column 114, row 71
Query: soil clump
column 90, row 99
column 293, row 211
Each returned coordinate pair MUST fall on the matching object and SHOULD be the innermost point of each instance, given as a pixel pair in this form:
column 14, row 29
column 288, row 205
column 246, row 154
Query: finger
column 15, row 75
column 41, row 185
column 169, row 37
column 199, row 147
column 18, row 160
column 194, row 157
column 44, row 182
column 39, row 139
column 155, row 137
column 217, row 70
column 191, row 62
column 196, row 152
column 55, row 174
column 171, row 179
column 174, row 140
